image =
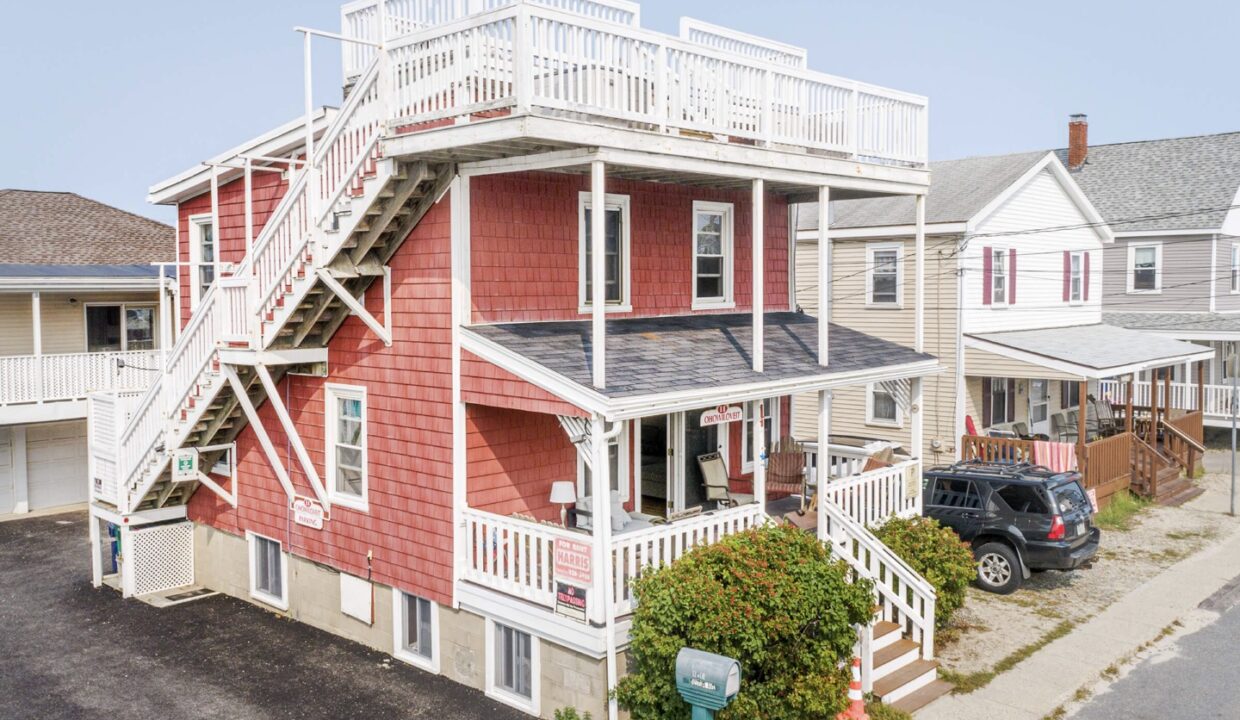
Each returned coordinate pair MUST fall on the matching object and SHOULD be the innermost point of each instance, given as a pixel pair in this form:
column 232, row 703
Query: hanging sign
column 308, row 512
column 185, row 465
column 570, row 601
column 572, row 562
column 721, row 415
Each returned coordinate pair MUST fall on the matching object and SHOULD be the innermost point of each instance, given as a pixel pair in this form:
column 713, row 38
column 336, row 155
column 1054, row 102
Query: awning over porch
column 1088, row 351
column 682, row 362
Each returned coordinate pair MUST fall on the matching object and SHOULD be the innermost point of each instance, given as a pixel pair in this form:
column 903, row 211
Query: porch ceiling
column 679, row 362
column 1089, row 351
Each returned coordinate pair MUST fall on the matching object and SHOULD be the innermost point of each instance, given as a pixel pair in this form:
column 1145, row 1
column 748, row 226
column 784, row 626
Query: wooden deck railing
column 1108, row 466
column 1182, row 439
column 1147, row 463
column 999, row 450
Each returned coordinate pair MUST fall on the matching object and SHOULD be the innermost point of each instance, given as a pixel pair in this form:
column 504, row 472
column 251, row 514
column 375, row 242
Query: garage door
column 6, row 470
column 56, row 464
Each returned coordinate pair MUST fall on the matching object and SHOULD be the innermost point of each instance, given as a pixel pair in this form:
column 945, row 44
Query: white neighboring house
column 79, row 311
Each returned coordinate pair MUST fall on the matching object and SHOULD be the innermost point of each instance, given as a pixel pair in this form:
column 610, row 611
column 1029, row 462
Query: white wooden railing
column 1183, row 396
column 902, row 595
column 72, row 376
column 632, row 553
column 842, row 461
column 513, row 556
column 526, row 54
column 107, row 414
column 872, row 497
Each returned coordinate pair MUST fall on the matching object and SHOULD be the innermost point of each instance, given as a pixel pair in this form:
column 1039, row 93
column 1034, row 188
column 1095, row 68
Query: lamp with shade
column 564, row 493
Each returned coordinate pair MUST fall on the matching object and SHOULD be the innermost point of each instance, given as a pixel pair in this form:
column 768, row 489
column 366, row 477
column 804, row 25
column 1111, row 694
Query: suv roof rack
column 991, row 467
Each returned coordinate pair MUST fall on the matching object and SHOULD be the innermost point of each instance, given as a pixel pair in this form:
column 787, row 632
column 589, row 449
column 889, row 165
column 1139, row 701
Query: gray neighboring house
column 1174, row 268
column 79, row 311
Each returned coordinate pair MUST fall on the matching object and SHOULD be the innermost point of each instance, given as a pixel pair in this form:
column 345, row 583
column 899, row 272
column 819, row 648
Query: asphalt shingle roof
column 959, row 189
column 62, row 228
column 1184, row 324
column 662, row 354
column 1159, row 177
column 1097, row 347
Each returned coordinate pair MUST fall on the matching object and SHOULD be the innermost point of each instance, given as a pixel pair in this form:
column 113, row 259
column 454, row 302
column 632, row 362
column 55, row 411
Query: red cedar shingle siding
column 513, row 458
column 525, row 246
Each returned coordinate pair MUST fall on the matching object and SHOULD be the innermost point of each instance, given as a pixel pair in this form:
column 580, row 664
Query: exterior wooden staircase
column 903, row 679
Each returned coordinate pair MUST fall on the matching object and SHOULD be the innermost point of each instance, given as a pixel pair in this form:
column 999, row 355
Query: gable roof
column 959, row 190
column 1180, row 176
column 64, row 228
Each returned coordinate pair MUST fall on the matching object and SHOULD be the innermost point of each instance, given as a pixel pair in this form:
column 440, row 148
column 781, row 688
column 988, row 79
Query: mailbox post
column 706, row 681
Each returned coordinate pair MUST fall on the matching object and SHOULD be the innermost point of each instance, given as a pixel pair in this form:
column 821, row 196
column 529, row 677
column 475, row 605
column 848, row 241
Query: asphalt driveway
column 70, row 651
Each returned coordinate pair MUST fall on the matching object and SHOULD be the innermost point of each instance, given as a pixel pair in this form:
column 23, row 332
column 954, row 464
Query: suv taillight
column 1058, row 531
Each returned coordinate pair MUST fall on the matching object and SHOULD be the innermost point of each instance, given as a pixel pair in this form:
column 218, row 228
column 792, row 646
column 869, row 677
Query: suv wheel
column 998, row 568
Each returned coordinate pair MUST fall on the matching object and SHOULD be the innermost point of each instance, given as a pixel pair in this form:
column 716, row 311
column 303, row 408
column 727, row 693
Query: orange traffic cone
column 856, row 703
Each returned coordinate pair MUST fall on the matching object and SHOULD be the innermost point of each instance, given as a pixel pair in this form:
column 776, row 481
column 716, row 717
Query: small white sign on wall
column 722, row 415
column 357, row 598
column 185, row 464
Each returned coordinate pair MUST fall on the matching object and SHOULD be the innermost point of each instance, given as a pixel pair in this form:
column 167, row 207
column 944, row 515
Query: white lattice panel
column 160, row 557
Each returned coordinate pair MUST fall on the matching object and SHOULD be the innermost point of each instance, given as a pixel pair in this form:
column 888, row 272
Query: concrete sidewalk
column 1048, row 679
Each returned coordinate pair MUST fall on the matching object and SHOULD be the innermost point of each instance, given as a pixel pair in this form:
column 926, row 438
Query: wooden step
column 895, row 656
column 889, row 688
column 922, row 697
column 1180, row 497
column 885, row 633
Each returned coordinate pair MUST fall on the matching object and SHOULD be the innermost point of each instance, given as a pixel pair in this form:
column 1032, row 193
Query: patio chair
column 715, row 477
column 785, row 470
column 1108, row 423
column 1062, row 429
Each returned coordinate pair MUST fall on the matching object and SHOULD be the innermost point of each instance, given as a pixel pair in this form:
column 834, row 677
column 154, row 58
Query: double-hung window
column 712, row 255
column 1076, row 277
column 268, row 572
column 770, row 423
column 883, row 277
column 346, row 445
column 616, row 253
column 201, row 255
column 881, row 407
column 1000, row 401
column 513, row 673
column 999, row 276
column 415, row 624
column 120, row 327
column 1145, row 268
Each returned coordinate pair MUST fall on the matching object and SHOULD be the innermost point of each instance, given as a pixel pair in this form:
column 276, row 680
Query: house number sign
column 722, row 415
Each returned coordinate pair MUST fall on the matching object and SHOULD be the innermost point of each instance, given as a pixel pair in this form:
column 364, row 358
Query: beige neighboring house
column 79, row 311
column 1012, row 300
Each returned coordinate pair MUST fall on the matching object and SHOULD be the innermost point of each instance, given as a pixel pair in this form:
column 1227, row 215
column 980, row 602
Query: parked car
column 1019, row 518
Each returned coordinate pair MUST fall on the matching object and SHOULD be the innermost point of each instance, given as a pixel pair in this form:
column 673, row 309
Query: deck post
column 1167, row 402
column 757, row 240
column 917, row 431
column 1128, row 388
column 1201, row 388
column 598, row 271
column 1081, row 424
column 824, row 275
column 758, row 443
column 919, row 288
column 600, row 519
column 1151, row 435
column 36, row 316
column 822, row 473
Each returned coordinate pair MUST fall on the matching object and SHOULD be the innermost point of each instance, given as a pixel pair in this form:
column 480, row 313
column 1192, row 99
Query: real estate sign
column 573, row 562
column 721, row 415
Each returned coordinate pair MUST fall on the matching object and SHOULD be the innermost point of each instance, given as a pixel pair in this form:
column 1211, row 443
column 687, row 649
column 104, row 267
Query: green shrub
column 938, row 554
column 879, row 711
column 773, row 599
column 569, row 713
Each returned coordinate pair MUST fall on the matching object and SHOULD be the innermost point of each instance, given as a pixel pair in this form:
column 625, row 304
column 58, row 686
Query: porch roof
column 693, row 360
column 1090, row 351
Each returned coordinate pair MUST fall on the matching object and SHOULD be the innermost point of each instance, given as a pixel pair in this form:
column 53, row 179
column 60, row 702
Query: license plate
column 1080, row 528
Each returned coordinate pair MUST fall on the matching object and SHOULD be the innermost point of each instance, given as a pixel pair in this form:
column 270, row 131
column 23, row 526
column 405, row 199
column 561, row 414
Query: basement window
column 416, row 624
column 512, row 672
column 268, row 571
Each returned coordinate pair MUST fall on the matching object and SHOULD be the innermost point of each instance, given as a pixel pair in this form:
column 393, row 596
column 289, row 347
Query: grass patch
column 879, row 711
column 1120, row 512
column 967, row 683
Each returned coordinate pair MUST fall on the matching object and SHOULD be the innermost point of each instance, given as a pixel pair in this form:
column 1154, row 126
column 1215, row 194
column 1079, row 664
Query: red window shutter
column 985, row 402
column 1085, row 279
column 987, row 268
column 1011, row 276
column 1067, row 276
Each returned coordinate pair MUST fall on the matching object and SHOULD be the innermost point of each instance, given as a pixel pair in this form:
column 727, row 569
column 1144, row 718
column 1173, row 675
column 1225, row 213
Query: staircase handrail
column 1189, row 440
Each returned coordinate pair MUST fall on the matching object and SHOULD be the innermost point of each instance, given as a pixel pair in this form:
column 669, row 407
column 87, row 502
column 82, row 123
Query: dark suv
column 1017, row 517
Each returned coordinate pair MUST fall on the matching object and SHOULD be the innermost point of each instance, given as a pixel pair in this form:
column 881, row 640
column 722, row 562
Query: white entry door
column 1039, row 407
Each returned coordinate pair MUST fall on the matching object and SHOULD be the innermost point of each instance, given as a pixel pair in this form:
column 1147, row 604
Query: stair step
column 922, row 697
column 894, row 657
column 1181, row 497
column 885, row 633
column 906, row 681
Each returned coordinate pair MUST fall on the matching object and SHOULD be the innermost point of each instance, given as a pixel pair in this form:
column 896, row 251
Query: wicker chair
column 785, row 470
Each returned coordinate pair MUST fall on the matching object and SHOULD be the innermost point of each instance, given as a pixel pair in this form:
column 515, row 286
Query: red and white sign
column 721, row 415
column 572, row 562
column 1092, row 494
column 308, row 512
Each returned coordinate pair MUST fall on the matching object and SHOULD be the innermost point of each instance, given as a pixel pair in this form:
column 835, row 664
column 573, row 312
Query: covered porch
column 1048, row 397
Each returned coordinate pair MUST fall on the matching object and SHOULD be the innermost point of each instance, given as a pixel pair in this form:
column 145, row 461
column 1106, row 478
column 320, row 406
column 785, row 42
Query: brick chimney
column 1078, row 141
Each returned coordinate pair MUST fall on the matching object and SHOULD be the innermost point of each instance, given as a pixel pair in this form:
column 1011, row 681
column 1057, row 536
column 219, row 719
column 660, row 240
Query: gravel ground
column 70, row 651
column 991, row 627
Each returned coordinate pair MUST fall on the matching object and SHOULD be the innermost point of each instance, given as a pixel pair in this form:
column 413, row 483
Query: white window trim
column 747, row 432
column 727, row 246
column 225, row 465
column 1079, row 256
column 1234, row 276
column 1130, row 272
column 870, row 250
column 430, row 664
column 155, row 319
column 196, row 222
column 623, row 463
column 280, row 603
column 876, row 421
column 614, row 202
column 533, row 704
column 1006, row 254
column 332, row 393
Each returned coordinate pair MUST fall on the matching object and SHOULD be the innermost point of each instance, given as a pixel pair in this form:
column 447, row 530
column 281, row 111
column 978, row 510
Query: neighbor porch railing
column 72, row 376
column 1217, row 398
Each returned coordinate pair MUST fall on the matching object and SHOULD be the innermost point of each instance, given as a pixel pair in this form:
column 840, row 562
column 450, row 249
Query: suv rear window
column 1022, row 498
column 1069, row 497
column 950, row 492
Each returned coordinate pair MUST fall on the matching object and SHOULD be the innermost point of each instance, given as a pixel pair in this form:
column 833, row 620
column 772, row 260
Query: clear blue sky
column 106, row 98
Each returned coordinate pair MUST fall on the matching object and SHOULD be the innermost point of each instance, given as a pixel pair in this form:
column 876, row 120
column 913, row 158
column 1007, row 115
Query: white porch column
column 36, row 315
column 598, row 271
column 249, row 202
column 824, row 273
column 757, row 238
column 919, row 290
column 600, row 520
column 823, row 472
column 758, row 443
column 917, row 418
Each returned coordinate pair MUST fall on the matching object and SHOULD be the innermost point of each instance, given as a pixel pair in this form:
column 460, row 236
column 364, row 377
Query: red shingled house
column 400, row 409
